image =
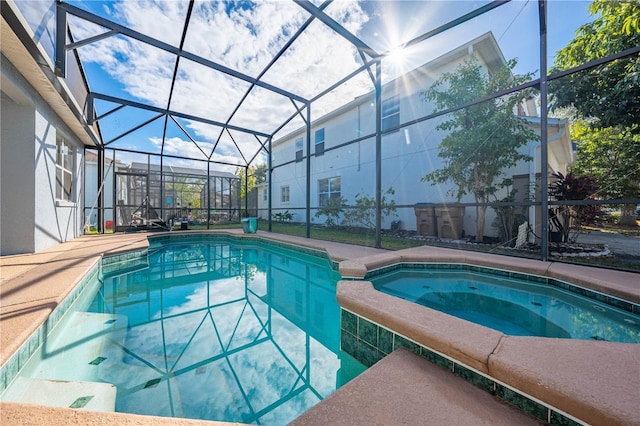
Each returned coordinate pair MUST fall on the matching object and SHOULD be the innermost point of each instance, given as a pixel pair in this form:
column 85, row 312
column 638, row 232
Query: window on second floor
column 327, row 189
column 284, row 193
column 265, row 193
column 390, row 113
column 299, row 149
column 319, row 141
column 64, row 169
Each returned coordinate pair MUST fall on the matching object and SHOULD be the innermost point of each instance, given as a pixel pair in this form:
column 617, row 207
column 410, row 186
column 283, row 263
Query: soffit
column 63, row 104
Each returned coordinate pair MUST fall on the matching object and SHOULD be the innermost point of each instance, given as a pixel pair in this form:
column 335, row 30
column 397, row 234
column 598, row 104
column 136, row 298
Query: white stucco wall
column 407, row 154
column 31, row 216
column 16, row 177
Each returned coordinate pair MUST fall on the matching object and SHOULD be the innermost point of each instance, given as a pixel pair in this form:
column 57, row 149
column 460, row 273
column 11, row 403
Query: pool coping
column 594, row 382
column 32, row 286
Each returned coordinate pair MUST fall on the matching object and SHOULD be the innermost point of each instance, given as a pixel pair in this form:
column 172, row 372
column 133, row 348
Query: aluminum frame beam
column 140, row 105
column 335, row 26
column 63, row 8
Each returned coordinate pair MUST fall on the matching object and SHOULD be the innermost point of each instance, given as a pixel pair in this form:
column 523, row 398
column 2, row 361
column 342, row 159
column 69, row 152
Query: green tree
column 606, row 98
column 483, row 139
column 256, row 175
column 609, row 92
column 610, row 155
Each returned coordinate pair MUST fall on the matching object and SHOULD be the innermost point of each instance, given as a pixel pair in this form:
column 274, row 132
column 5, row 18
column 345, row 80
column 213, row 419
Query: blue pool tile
column 436, row 359
column 537, row 410
column 349, row 344
column 368, row 332
column 558, row 419
column 367, row 354
column 10, row 369
column 97, row 360
column 401, row 342
column 622, row 304
column 385, row 340
column 81, row 402
column 477, row 379
column 152, row 383
column 349, row 322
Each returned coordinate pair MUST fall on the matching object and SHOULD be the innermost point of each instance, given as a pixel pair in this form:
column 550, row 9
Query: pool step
column 91, row 396
column 76, row 349
column 404, row 388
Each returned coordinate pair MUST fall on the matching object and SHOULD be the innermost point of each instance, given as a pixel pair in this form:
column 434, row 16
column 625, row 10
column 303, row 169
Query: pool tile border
column 156, row 241
column 616, row 302
column 369, row 342
column 10, row 369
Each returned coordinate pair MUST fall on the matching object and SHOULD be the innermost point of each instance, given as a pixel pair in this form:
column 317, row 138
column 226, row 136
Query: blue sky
column 245, row 36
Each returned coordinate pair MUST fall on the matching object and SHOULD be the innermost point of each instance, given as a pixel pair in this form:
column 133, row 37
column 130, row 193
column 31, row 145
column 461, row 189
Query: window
column 327, row 189
column 265, row 192
column 299, row 149
column 390, row 113
column 64, row 169
column 284, row 193
column 320, row 141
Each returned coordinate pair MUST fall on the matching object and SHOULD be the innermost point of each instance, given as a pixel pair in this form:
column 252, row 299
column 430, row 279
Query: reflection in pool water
column 510, row 305
column 209, row 331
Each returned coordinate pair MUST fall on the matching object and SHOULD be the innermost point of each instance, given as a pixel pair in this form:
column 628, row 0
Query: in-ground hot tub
column 513, row 303
column 557, row 380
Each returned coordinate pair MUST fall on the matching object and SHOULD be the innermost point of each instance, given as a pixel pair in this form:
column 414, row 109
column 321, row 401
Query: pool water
column 208, row 330
column 511, row 305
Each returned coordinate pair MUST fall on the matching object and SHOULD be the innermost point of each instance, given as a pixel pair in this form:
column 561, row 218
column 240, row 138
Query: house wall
column 32, row 218
column 17, row 181
column 407, row 155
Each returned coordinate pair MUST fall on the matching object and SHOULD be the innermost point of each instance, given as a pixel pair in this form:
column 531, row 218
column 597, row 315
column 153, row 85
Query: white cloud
column 241, row 39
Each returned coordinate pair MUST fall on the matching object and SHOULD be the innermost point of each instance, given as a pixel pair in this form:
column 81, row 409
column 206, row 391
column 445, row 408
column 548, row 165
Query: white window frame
column 65, row 161
column 319, row 138
column 331, row 184
column 298, row 144
column 285, row 194
column 390, row 113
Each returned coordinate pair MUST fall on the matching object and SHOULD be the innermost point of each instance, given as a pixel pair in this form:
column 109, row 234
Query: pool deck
column 596, row 382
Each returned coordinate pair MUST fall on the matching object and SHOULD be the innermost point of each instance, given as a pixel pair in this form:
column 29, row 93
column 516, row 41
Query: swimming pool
column 515, row 304
column 207, row 329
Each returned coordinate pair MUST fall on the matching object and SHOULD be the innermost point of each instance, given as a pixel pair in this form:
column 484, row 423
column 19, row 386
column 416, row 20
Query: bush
column 572, row 187
column 332, row 209
column 363, row 214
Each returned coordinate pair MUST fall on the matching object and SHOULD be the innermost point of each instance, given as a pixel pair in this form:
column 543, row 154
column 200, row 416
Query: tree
column 610, row 155
column 256, row 175
column 609, row 92
column 483, row 139
column 606, row 98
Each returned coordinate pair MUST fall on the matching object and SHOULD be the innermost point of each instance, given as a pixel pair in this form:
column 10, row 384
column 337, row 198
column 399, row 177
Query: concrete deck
column 31, row 286
column 410, row 390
